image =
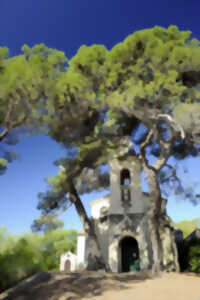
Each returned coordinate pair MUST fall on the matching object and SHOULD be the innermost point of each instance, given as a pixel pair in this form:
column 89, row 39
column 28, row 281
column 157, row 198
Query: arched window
column 125, row 177
column 125, row 191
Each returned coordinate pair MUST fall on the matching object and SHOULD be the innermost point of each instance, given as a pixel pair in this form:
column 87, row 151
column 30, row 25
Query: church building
column 119, row 221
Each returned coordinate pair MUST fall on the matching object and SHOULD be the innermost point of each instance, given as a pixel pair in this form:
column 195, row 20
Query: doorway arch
column 129, row 254
column 68, row 265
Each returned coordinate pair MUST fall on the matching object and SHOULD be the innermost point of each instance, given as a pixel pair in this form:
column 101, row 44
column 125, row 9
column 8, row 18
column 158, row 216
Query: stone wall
column 137, row 200
column 111, row 229
column 131, row 225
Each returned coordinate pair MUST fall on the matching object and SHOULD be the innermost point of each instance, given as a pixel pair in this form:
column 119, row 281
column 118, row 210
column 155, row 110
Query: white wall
column 81, row 251
column 97, row 205
column 71, row 257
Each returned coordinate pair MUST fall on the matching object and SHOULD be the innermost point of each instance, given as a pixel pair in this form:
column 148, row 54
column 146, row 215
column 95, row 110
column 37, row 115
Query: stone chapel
column 119, row 222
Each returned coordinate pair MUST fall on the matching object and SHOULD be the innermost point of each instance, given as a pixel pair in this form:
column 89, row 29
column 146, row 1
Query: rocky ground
column 109, row 286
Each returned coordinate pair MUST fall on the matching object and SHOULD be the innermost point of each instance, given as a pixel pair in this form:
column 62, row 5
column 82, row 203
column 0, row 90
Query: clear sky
column 66, row 25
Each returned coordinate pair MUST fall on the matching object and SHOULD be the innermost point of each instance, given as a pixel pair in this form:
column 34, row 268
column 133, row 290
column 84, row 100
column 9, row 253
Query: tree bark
column 161, row 231
column 95, row 259
column 3, row 134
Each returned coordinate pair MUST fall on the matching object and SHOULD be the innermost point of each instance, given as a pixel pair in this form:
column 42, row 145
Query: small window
column 125, row 177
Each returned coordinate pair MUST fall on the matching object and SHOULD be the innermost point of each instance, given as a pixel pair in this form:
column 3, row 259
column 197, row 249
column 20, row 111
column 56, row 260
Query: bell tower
column 125, row 186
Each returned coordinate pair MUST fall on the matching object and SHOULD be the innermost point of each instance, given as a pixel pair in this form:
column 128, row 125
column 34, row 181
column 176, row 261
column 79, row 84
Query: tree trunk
column 161, row 231
column 95, row 259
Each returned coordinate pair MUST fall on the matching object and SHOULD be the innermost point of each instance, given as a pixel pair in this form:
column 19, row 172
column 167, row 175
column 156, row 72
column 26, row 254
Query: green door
column 130, row 255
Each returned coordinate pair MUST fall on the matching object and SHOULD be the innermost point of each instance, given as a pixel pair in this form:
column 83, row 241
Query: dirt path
column 101, row 286
column 168, row 287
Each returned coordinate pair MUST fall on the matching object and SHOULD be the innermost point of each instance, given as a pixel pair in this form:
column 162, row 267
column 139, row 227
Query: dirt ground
column 101, row 286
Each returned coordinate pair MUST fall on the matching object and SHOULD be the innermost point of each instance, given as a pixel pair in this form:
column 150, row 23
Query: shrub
column 17, row 264
column 194, row 258
column 23, row 256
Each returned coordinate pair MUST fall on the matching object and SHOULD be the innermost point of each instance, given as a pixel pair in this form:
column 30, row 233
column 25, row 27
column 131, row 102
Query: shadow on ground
column 63, row 286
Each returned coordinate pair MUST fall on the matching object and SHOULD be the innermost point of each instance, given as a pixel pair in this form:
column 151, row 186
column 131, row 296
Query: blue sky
column 66, row 25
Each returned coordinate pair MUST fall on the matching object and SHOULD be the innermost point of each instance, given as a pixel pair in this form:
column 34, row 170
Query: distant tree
column 187, row 226
column 55, row 243
column 198, row 223
column 47, row 223
column 145, row 89
column 22, row 256
column 7, row 241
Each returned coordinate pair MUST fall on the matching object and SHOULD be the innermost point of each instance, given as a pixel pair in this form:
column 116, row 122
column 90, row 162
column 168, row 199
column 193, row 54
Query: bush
column 23, row 256
column 16, row 264
column 55, row 243
column 194, row 258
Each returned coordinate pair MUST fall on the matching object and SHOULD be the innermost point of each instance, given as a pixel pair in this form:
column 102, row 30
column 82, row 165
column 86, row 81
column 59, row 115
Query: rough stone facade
column 121, row 215
column 120, row 222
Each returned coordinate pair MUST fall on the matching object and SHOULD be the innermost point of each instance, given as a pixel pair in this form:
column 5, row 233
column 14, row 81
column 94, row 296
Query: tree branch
column 165, row 151
column 146, row 143
column 7, row 129
column 63, row 210
column 4, row 134
column 174, row 124
column 166, row 146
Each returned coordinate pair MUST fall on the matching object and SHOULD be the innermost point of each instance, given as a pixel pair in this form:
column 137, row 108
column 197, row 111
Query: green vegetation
column 189, row 251
column 22, row 256
column 186, row 226
column 47, row 223
column 23, row 79
column 194, row 258
column 142, row 94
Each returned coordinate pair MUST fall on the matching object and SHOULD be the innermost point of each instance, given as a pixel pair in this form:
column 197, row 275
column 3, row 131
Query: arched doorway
column 68, row 265
column 129, row 253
